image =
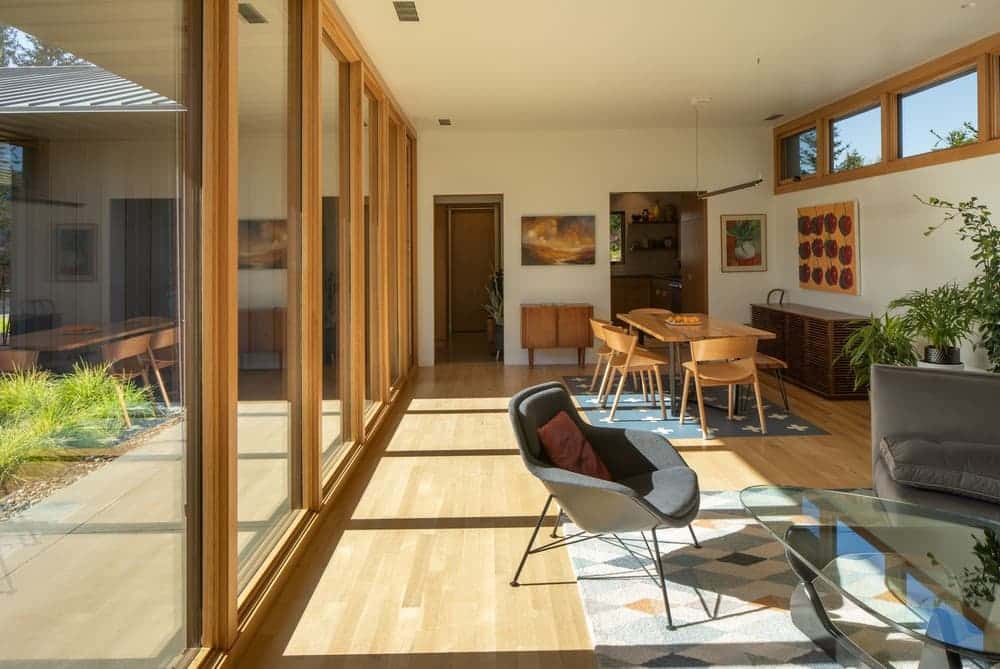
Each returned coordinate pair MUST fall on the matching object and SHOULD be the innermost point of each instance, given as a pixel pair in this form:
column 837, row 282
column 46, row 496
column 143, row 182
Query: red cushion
column 568, row 449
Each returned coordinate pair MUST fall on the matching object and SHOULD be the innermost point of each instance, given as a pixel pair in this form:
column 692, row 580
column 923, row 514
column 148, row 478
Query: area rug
column 730, row 599
column 638, row 413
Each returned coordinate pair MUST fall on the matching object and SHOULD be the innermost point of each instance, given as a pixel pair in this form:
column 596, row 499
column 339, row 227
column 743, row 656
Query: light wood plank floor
column 411, row 569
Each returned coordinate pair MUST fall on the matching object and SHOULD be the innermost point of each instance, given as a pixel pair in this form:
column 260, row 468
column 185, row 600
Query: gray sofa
column 939, row 428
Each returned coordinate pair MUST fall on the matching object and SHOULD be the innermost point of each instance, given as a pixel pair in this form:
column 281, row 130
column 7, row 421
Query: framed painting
column 616, row 236
column 74, row 252
column 744, row 242
column 557, row 240
column 263, row 244
column 828, row 248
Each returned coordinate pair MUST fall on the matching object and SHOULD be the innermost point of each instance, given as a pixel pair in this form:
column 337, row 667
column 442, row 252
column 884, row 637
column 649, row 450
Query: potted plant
column 884, row 340
column 977, row 227
column 942, row 317
column 494, row 306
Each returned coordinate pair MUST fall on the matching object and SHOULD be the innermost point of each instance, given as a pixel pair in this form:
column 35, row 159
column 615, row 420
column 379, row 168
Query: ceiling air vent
column 444, row 121
column 773, row 117
column 406, row 11
column 250, row 13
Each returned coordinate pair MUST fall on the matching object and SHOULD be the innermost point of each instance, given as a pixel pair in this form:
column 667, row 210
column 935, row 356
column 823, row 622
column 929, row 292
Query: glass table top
column 925, row 572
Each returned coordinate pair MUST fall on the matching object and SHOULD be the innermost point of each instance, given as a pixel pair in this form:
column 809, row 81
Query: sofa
column 935, row 438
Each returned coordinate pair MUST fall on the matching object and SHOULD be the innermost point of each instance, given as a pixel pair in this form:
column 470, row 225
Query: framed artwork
column 557, row 240
column 744, row 243
column 74, row 252
column 263, row 244
column 616, row 235
column 828, row 248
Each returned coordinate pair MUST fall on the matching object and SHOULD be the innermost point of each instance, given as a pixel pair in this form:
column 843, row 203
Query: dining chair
column 724, row 361
column 16, row 359
column 162, row 355
column 125, row 362
column 626, row 358
column 778, row 366
column 603, row 352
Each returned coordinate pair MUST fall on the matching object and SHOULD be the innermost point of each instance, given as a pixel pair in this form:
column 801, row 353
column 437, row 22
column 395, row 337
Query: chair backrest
column 13, row 359
column 597, row 327
column 724, row 348
column 654, row 311
column 122, row 349
column 620, row 341
column 532, row 408
column 165, row 338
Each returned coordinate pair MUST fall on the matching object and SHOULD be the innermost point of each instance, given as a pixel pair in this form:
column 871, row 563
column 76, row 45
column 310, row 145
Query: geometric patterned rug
column 730, row 599
column 636, row 413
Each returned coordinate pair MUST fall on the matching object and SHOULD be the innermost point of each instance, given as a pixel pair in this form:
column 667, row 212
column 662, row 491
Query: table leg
column 672, row 374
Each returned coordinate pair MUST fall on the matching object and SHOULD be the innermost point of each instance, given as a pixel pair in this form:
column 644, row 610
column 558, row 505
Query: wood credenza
column 556, row 326
column 810, row 340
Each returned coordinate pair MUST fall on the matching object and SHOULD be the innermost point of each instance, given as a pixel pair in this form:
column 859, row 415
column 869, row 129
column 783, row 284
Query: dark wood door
column 143, row 258
column 473, row 250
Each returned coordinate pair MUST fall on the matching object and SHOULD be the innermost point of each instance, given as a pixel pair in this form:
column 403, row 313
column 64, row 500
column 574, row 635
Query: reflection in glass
column 334, row 274
column 93, row 448
column 392, row 243
column 942, row 115
column 373, row 279
column 269, row 169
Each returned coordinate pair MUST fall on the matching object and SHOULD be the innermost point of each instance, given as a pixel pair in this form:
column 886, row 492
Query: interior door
column 472, row 256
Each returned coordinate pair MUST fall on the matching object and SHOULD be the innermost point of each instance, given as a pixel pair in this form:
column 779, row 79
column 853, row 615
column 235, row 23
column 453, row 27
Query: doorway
column 467, row 243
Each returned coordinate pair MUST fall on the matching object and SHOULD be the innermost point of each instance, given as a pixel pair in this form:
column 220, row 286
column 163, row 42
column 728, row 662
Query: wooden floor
column 411, row 569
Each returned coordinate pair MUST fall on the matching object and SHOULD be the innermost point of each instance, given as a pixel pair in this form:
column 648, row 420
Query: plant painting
column 744, row 243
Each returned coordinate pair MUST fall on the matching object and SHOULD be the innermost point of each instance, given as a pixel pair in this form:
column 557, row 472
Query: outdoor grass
column 42, row 414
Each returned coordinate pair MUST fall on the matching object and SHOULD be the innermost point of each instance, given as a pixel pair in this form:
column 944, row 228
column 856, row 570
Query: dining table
column 77, row 336
column 656, row 325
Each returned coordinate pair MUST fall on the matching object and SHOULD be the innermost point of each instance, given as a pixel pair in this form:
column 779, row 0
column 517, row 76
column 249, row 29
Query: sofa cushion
column 956, row 467
column 568, row 449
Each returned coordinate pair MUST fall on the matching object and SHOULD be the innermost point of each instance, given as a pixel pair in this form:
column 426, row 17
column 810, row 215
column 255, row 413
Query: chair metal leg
column 531, row 542
column 693, row 537
column 781, row 387
column 655, row 554
column 555, row 526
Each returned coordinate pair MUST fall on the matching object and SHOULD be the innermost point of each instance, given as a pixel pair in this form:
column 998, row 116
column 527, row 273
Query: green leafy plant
column 940, row 315
column 884, row 340
column 976, row 225
column 494, row 296
column 966, row 134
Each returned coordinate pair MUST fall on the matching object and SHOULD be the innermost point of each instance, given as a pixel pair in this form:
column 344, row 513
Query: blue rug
column 635, row 413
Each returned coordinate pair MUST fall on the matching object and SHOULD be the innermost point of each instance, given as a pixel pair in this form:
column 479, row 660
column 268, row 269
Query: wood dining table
column 657, row 327
column 73, row 337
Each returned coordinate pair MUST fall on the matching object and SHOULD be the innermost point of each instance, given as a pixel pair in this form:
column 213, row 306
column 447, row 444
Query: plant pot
column 491, row 331
column 499, row 336
column 949, row 355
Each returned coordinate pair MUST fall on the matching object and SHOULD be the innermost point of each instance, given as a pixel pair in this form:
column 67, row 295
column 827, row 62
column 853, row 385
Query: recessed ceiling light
column 250, row 13
column 773, row 117
column 406, row 10
column 444, row 121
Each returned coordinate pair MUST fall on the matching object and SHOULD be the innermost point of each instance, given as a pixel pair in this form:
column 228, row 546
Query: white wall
column 895, row 255
column 574, row 172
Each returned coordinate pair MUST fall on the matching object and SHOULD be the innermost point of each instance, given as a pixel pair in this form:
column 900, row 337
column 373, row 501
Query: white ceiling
column 512, row 64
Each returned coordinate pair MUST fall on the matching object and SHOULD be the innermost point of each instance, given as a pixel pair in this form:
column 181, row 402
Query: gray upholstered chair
column 947, row 407
column 652, row 486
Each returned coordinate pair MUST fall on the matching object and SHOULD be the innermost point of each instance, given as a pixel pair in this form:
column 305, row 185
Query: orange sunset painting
column 557, row 240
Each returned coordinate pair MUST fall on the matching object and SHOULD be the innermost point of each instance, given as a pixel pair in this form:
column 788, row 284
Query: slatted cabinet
column 556, row 326
column 810, row 340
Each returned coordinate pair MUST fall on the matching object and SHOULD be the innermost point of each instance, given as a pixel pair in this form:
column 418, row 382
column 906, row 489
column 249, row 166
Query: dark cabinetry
column 810, row 340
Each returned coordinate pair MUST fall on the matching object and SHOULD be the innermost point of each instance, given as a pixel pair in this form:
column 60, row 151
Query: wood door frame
column 497, row 246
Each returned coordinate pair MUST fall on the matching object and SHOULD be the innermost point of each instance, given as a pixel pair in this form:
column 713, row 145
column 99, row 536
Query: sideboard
column 556, row 326
column 811, row 341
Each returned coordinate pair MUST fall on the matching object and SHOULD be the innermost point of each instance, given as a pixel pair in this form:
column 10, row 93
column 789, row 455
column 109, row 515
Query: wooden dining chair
column 626, row 358
column 725, row 361
column 603, row 352
column 163, row 354
column 777, row 366
column 16, row 360
column 125, row 361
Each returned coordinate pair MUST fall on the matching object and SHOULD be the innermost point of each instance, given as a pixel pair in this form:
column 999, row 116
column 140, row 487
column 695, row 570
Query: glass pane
column 334, row 273
column 94, row 543
column 856, row 140
column 269, row 171
column 392, row 267
column 940, row 116
column 798, row 155
column 372, row 278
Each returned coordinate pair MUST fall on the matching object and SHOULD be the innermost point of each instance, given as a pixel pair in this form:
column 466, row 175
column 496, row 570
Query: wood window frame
column 229, row 618
column 805, row 125
column 983, row 55
column 827, row 170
